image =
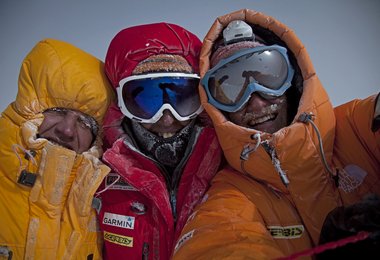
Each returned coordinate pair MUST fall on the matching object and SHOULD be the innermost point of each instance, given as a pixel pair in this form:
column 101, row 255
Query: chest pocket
column 127, row 223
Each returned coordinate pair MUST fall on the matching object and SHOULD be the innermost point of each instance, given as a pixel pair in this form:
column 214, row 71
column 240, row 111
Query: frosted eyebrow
column 87, row 120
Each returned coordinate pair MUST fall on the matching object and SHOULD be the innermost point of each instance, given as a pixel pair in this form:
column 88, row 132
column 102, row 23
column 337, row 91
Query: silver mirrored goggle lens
column 268, row 69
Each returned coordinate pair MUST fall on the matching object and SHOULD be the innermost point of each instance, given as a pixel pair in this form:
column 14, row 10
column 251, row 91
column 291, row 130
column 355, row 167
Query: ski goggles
column 265, row 70
column 145, row 97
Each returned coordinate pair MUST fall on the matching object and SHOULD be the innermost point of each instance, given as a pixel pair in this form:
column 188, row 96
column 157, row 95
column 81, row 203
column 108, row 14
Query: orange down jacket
column 248, row 213
column 51, row 218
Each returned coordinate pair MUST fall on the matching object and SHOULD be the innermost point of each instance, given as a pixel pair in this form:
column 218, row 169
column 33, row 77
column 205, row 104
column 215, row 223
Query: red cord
column 330, row 245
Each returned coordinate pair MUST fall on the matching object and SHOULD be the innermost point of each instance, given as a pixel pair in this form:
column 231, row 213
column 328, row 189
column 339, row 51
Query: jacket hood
column 58, row 74
column 56, row 202
column 134, row 44
column 314, row 100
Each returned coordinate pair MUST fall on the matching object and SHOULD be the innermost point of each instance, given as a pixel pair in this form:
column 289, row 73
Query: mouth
column 261, row 120
column 266, row 115
column 166, row 134
column 60, row 143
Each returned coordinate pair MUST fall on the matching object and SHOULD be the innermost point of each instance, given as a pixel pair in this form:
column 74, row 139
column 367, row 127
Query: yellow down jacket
column 249, row 212
column 46, row 190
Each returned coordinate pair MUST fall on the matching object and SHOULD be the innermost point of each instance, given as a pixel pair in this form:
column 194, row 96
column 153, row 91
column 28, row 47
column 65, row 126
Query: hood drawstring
column 248, row 149
column 304, row 118
column 107, row 187
column 308, row 118
column 97, row 202
column 245, row 154
column 25, row 177
column 277, row 166
column 29, row 154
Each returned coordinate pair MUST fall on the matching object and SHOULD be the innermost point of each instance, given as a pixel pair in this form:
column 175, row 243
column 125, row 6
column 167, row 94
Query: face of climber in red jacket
column 167, row 125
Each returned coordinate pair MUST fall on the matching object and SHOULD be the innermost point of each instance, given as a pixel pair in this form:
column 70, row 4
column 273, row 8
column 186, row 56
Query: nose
column 167, row 118
column 256, row 103
column 66, row 127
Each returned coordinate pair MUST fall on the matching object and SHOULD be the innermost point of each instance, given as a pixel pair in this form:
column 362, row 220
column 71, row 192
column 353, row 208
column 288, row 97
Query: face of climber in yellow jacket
column 69, row 128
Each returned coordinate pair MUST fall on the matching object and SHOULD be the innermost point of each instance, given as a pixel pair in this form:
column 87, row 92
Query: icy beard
column 167, row 151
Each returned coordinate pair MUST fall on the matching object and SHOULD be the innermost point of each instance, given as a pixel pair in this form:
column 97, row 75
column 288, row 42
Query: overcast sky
column 341, row 36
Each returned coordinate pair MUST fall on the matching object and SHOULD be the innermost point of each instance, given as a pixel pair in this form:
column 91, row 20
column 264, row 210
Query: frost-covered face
column 266, row 115
column 167, row 126
column 68, row 128
column 165, row 140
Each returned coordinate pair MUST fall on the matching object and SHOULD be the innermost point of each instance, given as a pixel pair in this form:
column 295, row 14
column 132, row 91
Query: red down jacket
column 143, row 212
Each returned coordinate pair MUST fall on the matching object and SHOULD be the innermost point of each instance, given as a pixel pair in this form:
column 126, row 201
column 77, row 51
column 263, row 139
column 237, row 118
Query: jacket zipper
column 173, row 203
column 171, row 186
column 145, row 251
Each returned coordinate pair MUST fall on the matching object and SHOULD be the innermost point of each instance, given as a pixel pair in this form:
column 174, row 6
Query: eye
column 88, row 123
column 84, row 122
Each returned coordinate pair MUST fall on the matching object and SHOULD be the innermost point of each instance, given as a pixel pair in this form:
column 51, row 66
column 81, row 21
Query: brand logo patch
column 289, row 232
column 115, row 182
column 117, row 220
column 138, row 208
column 351, row 177
column 118, row 239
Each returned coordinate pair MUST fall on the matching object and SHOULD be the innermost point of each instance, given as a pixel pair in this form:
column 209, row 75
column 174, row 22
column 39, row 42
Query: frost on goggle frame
column 86, row 122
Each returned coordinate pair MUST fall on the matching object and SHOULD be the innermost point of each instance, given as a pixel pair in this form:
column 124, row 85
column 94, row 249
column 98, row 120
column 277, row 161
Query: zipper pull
column 6, row 252
column 173, row 203
column 96, row 204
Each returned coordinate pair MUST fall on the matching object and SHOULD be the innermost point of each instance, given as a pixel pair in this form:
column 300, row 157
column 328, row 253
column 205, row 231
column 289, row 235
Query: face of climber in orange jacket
column 248, row 80
column 267, row 115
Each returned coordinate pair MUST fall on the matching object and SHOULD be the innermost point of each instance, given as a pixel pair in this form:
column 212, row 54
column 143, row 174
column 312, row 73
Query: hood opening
column 267, row 37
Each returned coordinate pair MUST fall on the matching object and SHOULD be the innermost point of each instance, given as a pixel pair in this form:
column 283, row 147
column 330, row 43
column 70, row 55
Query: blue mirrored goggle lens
column 144, row 97
column 268, row 69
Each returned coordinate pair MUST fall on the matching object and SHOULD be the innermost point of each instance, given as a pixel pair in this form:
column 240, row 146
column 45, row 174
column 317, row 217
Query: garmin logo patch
column 119, row 220
column 288, row 232
column 118, row 239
